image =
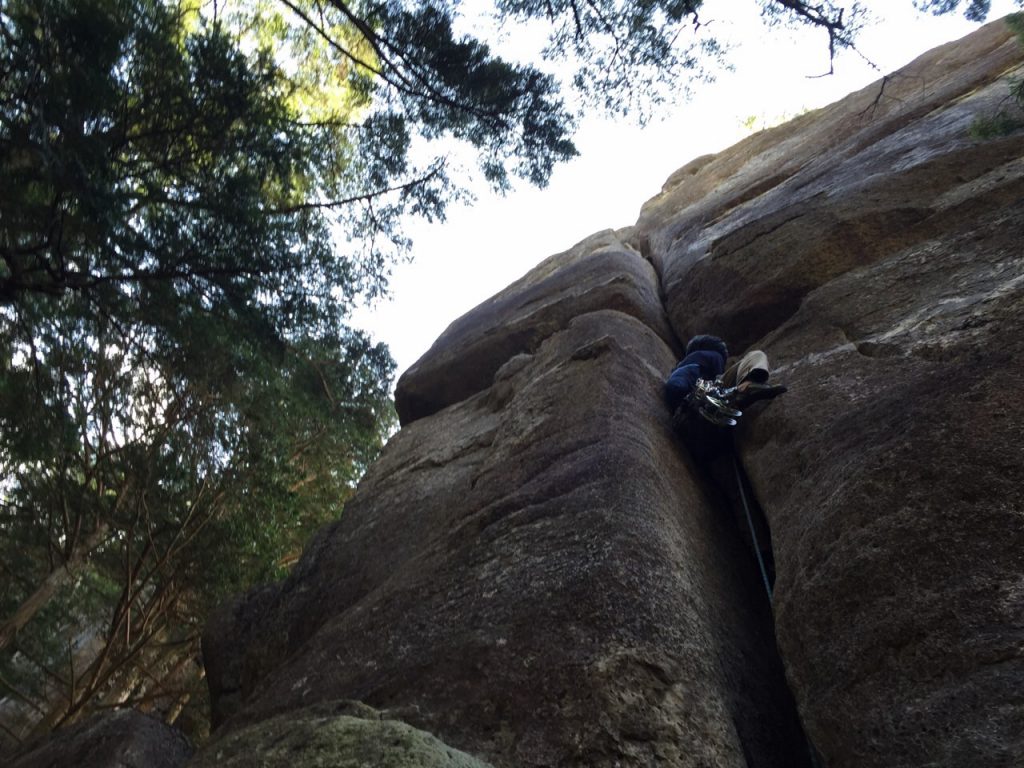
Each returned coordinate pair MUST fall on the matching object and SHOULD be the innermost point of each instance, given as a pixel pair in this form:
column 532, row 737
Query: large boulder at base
column 345, row 735
column 121, row 739
column 534, row 576
column 881, row 248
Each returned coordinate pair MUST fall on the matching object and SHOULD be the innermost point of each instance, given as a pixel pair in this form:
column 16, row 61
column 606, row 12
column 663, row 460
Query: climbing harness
column 711, row 400
column 750, row 524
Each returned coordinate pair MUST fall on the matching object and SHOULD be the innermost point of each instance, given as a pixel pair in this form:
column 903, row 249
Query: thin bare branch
column 367, row 196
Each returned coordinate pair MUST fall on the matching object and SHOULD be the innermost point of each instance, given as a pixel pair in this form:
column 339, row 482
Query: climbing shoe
column 751, row 392
column 757, row 376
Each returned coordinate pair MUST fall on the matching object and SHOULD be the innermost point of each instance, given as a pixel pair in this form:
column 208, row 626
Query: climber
column 710, row 442
column 706, row 358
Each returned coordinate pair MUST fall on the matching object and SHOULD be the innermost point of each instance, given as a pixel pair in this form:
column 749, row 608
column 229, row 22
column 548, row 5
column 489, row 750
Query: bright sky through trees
column 482, row 248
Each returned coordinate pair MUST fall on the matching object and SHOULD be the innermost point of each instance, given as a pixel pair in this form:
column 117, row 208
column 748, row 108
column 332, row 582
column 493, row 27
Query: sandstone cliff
column 534, row 573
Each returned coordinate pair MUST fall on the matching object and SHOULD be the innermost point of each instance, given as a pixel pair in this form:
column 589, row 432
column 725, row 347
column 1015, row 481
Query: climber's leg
column 753, row 366
column 750, row 377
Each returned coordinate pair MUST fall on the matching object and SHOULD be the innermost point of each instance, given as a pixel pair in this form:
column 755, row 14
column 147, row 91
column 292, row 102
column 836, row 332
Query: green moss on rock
column 346, row 735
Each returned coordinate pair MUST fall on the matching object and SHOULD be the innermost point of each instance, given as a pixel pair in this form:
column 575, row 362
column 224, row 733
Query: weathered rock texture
column 523, row 574
column 122, row 739
column 534, row 573
column 882, row 251
column 344, row 735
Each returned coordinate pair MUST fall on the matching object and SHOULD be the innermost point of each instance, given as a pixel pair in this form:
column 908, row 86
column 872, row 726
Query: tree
column 429, row 81
column 974, row 10
column 181, row 401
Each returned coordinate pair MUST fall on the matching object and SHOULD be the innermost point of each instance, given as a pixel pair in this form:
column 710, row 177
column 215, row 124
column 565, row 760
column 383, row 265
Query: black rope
column 812, row 753
column 750, row 522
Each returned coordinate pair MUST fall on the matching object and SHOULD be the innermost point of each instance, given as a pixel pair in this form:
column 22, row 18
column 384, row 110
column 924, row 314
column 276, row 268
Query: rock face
column 884, row 262
column 122, row 739
column 534, row 572
column 599, row 273
column 521, row 574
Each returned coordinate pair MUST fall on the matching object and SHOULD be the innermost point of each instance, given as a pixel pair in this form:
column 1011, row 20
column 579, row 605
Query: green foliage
column 1015, row 21
column 181, row 400
column 763, row 122
column 426, row 83
column 629, row 56
column 1002, row 123
column 974, row 10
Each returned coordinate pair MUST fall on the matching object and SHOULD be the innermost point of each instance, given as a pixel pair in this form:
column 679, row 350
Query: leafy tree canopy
column 181, row 400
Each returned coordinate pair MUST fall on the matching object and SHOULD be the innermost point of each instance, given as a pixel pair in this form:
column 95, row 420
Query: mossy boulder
column 344, row 735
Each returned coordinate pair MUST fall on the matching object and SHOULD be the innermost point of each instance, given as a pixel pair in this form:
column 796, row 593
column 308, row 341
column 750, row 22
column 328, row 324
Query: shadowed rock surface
column 523, row 573
column 121, row 739
column 883, row 254
column 533, row 572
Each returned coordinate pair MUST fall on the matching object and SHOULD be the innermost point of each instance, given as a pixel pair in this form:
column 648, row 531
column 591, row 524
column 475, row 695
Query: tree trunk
column 54, row 580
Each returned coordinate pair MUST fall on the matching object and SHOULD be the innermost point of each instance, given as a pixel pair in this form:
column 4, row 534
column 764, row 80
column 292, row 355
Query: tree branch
column 818, row 15
column 365, row 197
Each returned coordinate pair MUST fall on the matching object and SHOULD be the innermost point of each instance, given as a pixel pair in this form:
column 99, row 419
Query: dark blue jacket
column 701, row 364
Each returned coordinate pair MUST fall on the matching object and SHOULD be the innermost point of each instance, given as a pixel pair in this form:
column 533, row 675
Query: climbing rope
column 812, row 754
column 750, row 523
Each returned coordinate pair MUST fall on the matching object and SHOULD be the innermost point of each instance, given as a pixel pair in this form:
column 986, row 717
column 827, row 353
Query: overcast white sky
column 481, row 249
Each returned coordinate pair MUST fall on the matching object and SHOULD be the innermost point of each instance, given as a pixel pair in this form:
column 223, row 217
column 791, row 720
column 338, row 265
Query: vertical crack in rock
column 744, row 522
column 533, row 574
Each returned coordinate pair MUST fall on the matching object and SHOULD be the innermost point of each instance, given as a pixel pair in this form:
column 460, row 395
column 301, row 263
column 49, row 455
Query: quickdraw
column 710, row 398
